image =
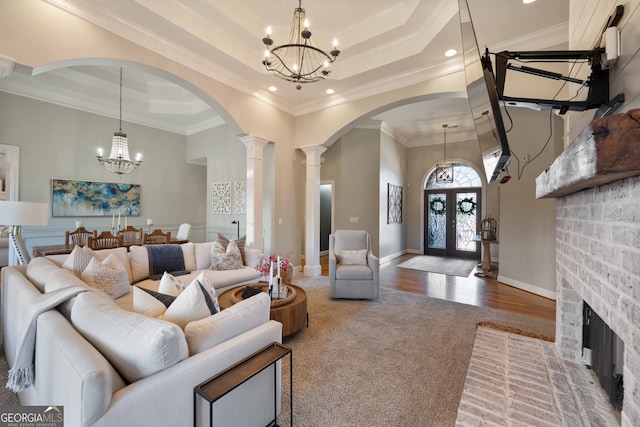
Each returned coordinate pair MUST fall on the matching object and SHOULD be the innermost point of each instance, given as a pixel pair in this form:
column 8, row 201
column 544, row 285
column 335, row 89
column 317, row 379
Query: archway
column 452, row 212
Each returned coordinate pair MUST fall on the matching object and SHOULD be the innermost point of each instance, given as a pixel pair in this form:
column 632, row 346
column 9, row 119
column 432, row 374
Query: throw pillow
column 352, row 257
column 150, row 303
column 194, row 303
column 78, row 259
column 225, row 260
column 109, row 276
column 171, row 285
column 202, row 279
column 240, row 242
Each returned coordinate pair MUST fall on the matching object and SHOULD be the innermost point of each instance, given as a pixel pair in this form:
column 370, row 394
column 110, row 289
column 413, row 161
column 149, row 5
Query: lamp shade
column 23, row 213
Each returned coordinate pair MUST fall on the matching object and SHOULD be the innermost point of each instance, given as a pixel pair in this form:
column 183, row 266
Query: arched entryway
column 452, row 214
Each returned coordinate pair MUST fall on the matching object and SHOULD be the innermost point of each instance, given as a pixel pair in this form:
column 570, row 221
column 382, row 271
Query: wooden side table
column 219, row 385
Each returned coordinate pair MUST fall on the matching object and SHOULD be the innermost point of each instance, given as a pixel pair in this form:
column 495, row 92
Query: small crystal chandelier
column 119, row 161
column 298, row 60
column 444, row 170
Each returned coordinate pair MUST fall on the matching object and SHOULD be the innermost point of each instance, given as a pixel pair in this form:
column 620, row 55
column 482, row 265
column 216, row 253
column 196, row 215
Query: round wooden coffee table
column 292, row 315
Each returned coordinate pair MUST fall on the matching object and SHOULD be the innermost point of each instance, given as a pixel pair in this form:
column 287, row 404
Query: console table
column 219, row 385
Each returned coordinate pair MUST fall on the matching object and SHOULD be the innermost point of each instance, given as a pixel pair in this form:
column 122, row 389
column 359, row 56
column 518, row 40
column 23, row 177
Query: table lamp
column 15, row 215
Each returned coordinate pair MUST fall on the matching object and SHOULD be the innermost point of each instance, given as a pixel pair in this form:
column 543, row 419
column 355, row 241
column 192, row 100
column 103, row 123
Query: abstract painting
column 394, row 206
column 221, row 197
column 88, row 198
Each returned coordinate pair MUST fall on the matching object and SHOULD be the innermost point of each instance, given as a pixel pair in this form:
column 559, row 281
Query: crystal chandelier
column 444, row 170
column 119, row 161
column 298, row 60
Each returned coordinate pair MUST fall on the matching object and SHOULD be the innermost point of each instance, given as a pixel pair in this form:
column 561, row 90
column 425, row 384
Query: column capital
column 314, row 153
column 255, row 146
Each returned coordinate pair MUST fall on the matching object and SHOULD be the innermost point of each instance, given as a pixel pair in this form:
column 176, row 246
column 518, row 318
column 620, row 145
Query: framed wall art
column 239, row 197
column 394, row 204
column 221, row 197
column 88, row 198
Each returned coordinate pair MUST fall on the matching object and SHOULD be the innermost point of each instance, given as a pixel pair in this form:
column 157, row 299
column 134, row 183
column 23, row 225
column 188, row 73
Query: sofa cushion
column 354, row 272
column 189, row 256
column 139, row 259
column 137, row 346
column 108, row 275
column 202, row 253
column 38, row 270
column 352, row 256
column 223, row 278
column 235, row 320
column 228, row 259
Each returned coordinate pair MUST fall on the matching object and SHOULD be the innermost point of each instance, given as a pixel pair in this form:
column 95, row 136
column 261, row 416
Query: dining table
column 38, row 251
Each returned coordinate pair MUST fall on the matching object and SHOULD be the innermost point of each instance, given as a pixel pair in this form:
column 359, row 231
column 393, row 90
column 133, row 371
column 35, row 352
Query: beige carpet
column 442, row 265
column 400, row 361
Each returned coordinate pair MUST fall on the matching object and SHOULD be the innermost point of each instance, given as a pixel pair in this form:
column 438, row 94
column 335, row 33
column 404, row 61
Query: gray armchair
column 353, row 269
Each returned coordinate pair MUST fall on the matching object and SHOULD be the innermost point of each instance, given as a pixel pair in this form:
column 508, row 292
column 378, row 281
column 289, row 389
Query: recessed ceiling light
column 330, row 91
column 528, row 1
column 450, row 52
column 273, row 88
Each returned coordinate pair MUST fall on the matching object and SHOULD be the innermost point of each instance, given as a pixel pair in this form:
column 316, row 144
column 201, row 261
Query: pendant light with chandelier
column 298, row 60
column 444, row 169
column 119, row 161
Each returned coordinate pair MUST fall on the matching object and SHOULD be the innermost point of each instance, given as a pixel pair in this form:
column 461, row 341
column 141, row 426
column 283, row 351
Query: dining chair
column 156, row 237
column 131, row 235
column 78, row 237
column 105, row 240
column 183, row 231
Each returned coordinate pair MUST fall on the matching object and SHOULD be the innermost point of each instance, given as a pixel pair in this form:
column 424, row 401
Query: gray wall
column 393, row 165
column 353, row 164
column 527, row 226
column 59, row 142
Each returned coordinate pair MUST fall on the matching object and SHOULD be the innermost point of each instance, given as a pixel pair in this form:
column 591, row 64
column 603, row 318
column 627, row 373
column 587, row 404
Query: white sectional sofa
column 110, row 366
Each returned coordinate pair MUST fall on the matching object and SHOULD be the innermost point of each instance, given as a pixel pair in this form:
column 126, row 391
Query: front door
column 451, row 222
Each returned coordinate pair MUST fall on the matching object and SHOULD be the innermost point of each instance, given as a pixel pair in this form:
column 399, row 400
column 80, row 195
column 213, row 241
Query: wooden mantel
column 606, row 151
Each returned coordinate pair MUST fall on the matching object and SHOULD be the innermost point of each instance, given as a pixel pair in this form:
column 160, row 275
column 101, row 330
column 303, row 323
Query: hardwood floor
column 478, row 291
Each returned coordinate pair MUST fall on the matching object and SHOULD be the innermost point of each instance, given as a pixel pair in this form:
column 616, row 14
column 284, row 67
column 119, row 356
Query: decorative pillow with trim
column 194, row 303
column 228, row 259
column 240, row 242
column 182, row 308
column 78, row 259
column 150, row 303
column 171, row 285
column 352, row 257
column 108, row 275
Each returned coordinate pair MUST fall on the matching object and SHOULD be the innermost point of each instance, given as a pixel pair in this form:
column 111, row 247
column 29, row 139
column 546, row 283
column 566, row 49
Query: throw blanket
column 163, row 258
column 22, row 374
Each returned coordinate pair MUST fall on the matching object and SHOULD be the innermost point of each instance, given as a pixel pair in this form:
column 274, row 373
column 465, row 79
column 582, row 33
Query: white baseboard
column 547, row 293
column 392, row 256
column 414, row 251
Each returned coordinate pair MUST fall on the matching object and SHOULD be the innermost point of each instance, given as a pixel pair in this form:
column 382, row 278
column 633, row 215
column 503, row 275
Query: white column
column 312, row 211
column 255, row 189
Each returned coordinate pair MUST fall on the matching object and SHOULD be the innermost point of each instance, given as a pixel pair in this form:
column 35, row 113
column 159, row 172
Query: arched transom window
column 463, row 177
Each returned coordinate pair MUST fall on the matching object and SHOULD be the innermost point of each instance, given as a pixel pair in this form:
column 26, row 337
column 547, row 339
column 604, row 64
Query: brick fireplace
column 598, row 247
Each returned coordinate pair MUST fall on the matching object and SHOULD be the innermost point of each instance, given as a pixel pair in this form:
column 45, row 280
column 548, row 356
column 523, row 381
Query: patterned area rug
column 442, row 265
